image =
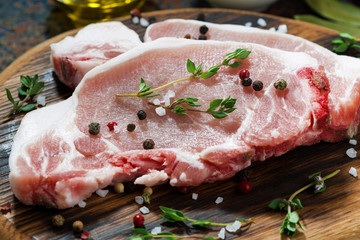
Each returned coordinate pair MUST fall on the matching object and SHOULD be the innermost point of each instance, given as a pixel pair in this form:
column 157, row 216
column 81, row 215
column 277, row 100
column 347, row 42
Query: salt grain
column 219, row 200
column 144, row 22
column 233, row 227
column 135, row 20
column 116, row 129
column 282, row 28
column 82, row 203
column 248, row 24
column 139, row 200
column 353, row 141
column 144, row 210
column 222, row 233
column 101, row 192
column 353, row 172
column 261, row 22
column 195, row 196
column 156, row 101
column 160, row 111
column 272, row 29
column 170, row 94
column 351, row 152
column 41, row 100
column 156, row 230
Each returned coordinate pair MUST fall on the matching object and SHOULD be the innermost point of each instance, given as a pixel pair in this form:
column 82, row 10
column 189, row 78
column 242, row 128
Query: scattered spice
column 246, row 82
column 244, row 186
column 111, row 125
column 148, row 144
column 219, row 200
column 138, row 220
column 94, row 128
column 5, row 208
column 202, row 37
column 187, row 36
column 183, row 189
column 147, row 194
column 148, row 190
column 257, row 85
column 131, row 127
column 119, row 187
column 135, row 13
column 141, row 114
column 204, row 29
column 244, row 74
column 143, row 22
column 58, row 220
column 280, row 84
column 78, row 226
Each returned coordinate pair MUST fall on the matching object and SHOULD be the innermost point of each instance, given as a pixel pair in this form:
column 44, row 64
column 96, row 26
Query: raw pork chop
column 55, row 162
column 342, row 71
column 93, row 45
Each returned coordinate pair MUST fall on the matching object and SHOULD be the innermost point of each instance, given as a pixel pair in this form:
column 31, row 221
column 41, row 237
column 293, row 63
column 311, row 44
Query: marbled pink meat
column 56, row 162
column 342, row 71
column 93, row 45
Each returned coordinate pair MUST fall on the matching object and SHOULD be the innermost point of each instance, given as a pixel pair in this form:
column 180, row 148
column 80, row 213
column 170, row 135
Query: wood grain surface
column 333, row 214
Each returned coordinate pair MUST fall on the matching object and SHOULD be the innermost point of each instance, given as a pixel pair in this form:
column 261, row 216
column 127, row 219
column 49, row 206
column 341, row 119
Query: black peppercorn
column 202, row 37
column 94, row 128
column 280, row 84
column 141, row 114
column 204, row 29
column 257, row 85
column 148, row 144
column 131, row 127
column 152, row 20
column 246, row 82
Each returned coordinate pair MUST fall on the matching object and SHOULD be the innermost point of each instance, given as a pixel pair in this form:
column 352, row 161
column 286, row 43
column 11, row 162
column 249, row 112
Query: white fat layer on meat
column 152, row 178
column 183, row 177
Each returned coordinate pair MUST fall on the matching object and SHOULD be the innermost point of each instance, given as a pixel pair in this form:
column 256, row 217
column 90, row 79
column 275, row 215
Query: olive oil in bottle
column 83, row 12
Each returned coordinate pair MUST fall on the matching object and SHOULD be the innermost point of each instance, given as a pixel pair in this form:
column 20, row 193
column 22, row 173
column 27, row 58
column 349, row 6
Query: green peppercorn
column 202, row 37
column 58, row 220
column 148, row 190
column 94, row 128
column 246, row 82
column 78, row 226
column 131, row 127
column 148, row 144
column 280, row 84
column 141, row 114
column 257, row 85
column 204, row 29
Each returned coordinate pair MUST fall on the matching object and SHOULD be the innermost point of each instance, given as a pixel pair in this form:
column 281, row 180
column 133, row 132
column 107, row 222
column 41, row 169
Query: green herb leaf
column 275, row 203
column 179, row 110
column 214, row 104
column 173, row 214
column 219, row 115
column 190, row 65
column 36, row 89
column 9, row 96
column 235, row 64
column 198, row 69
column 298, row 203
column 26, row 81
column 23, row 91
column 209, row 238
column 135, row 238
column 140, row 231
column 206, row 75
column 294, row 217
column 28, row 107
column 347, row 36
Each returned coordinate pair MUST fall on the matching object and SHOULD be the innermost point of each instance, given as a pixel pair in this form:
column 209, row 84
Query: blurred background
column 26, row 23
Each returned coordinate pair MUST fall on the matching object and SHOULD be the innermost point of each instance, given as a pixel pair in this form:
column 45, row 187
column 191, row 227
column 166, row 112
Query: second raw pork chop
column 56, row 162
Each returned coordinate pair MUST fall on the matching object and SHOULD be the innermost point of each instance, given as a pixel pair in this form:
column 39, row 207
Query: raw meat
column 55, row 162
column 93, row 45
column 342, row 71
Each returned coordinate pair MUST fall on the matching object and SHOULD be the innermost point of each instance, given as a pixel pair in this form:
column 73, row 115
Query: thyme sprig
column 345, row 42
column 173, row 215
column 29, row 88
column 145, row 235
column 292, row 218
column 218, row 108
column 196, row 73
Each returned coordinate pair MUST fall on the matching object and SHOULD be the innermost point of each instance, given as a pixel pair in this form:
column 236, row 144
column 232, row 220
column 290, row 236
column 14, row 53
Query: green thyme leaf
column 214, row 104
column 140, row 231
column 198, row 69
column 135, row 238
column 23, row 91
column 179, row 110
column 190, row 65
column 28, row 107
column 275, row 203
column 9, row 96
column 235, row 64
column 26, row 81
column 298, row 203
column 36, row 89
column 219, row 115
column 173, row 214
column 294, row 217
column 347, row 36
column 202, row 223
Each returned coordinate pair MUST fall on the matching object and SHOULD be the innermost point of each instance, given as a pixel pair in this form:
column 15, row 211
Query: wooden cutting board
column 333, row 214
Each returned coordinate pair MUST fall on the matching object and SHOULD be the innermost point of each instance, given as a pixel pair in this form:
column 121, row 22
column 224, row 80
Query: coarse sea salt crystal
column 144, row 210
column 351, row 152
column 272, row 29
column 156, row 230
column 353, row 172
column 248, row 24
column 221, row 234
column 233, row 227
column 170, row 94
column 261, row 22
column 160, row 111
column 144, row 22
column 282, row 28
column 41, row 100
column 102, row 192
column 156, row 101
column 82, row 203
column 194, row 196
column 139, row 200
column 353, row 141
column 116, row 129
column 219, row 200
column 135, row 20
